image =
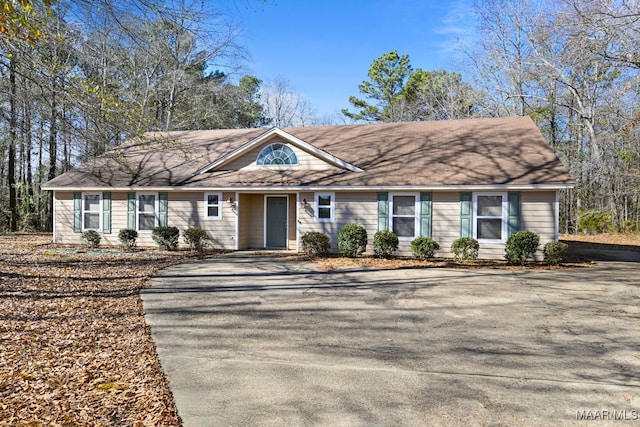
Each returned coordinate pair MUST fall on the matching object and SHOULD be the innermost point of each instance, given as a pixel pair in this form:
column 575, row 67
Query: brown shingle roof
column 473, row 152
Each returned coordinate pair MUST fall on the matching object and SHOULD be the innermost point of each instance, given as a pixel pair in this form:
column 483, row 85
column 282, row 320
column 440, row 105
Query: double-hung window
column 324, row 211
column 92, row 211
column 147, row 211
column 213, row 205
column 404, row 216
column 490, row 216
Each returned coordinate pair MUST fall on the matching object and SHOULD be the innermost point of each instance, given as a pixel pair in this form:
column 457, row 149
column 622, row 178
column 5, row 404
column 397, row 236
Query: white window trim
column 206, row 206
column 505, row 217
column 156, row 211
column 416, row 215
column 332, row 207
column 99, row 212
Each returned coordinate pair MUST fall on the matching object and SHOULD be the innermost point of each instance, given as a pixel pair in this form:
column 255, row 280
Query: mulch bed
column 74, row 345
column 337, row 263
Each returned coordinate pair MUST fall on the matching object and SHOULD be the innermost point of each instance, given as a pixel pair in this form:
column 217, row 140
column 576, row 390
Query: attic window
column 277, row 154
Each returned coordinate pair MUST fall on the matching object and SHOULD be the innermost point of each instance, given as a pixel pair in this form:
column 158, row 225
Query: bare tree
column 283, row 107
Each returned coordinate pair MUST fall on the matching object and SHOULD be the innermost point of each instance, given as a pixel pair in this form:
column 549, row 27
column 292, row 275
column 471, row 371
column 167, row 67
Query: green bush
column 521, row 246
column 555, row 253
column 90, row 238
column 127, row 238
column 385, row 244
column 315, row 243
column 352, row 240
column 424, row 247
column 465, row 249
column 166, row 237
column 196, row 238
column 593, row 222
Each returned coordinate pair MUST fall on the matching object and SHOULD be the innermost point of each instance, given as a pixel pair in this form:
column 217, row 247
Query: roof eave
column 481, row 187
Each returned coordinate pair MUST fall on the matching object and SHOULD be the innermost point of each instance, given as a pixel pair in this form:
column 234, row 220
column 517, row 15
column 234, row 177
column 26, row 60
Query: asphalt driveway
column 259, row 340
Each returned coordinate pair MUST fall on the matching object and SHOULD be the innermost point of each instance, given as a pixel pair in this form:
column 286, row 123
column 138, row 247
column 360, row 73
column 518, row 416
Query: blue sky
column 324, row 47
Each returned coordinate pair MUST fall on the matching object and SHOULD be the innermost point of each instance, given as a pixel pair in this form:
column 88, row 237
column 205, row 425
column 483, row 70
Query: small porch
column 267, row 221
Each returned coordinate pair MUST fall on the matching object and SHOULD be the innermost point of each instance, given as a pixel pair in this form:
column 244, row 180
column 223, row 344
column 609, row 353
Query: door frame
column 286, row 239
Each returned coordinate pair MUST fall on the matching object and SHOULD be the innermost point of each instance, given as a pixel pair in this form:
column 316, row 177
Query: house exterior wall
column 187, row 209
column 537, row 215
column 251, row 233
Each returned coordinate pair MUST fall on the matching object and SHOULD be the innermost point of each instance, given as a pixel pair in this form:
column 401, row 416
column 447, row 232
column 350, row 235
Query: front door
column 276, row 222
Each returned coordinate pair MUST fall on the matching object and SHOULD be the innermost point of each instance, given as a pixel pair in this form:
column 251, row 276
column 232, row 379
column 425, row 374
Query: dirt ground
column 74, row 345
column 630, row 239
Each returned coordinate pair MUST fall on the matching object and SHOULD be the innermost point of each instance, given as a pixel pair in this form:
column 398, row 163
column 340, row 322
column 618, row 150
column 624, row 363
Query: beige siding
column 251, row 221
column 63, row 232
column 445, row 221
column 305, row 160
column 359, row 208
column 291, row 225
column 539, row 216
column 185, row 209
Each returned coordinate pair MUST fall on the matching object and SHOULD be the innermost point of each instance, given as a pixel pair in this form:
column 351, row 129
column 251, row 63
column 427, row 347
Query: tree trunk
column 13, row 123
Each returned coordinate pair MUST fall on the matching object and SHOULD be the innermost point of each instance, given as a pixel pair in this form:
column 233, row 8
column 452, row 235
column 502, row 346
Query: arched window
column 277, row 154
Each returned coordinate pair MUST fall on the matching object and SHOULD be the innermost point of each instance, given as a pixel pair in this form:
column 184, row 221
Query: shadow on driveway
column 259, row 340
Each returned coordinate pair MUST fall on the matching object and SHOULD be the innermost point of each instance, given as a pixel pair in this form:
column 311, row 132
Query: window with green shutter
column 77, row 212
column 466, row 218
column 425, row 214
column 514, row 212
column 383, row 211
column 106, row 212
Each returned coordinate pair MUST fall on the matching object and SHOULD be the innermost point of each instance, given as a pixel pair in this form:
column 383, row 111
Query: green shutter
column 77, row 212
column 106, row 212
column 466, row 223
column 131, row 211
column 425, row 214
column 162, row 209
column 514, row 212
column 383, row 211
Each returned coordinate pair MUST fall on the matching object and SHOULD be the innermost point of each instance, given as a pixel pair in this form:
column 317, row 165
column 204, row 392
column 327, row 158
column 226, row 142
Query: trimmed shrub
column 315, row 243
column 593, row 222
column 521, row 246
column 465, row 249
column 90, row 238
column 166, row 237
column 555, row 253
column 424, row 247
column 128, row 238
column 385, row 244
column 352, row 240
column 196, row 238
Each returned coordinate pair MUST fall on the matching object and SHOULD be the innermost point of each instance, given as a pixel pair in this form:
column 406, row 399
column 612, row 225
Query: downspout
column 556, row 208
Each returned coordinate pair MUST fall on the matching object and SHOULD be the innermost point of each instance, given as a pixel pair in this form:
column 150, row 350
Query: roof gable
column 287, row 137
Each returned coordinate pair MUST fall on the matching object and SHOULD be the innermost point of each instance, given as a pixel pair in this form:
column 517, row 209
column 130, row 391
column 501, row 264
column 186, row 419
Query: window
column 147, row 212
column 91, row 211
column 404, row 221
column 212, row 205
column 324, row 207
column 490, row 217
column 277, row 154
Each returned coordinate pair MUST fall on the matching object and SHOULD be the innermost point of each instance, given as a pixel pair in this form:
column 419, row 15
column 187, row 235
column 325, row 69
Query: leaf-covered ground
column 74, row 345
